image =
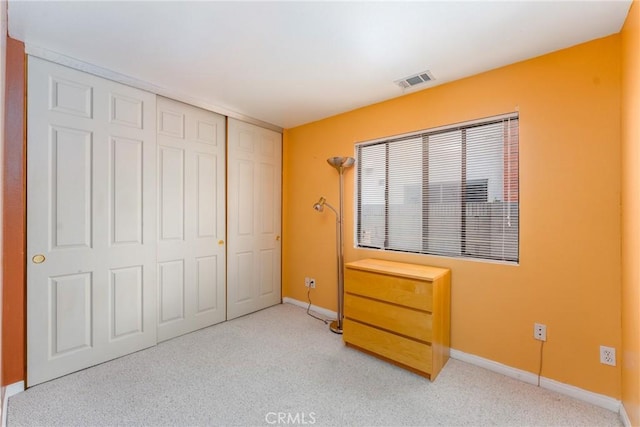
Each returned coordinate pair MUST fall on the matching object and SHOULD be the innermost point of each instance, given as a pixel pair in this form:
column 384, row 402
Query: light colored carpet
column 279, row 360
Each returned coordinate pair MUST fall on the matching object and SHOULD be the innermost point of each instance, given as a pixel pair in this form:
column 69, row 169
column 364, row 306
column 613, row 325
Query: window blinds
column 450, row 191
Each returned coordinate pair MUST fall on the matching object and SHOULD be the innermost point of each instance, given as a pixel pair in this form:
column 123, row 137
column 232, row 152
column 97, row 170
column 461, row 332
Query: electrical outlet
column 312, row 283
column 607, row 355
column 307, row 280
column 540, row 331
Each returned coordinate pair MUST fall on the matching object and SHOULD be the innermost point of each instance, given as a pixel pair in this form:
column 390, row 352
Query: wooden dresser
column 399, row 312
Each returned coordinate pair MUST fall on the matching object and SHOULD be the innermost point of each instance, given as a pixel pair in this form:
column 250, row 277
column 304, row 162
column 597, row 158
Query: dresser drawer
column 398, row 290
column 394, row 347
column 404, row 321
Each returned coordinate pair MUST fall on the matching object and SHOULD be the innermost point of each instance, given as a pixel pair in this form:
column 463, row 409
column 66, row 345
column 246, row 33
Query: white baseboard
column 596, row 399
column 327, row 313
column 624, row 417
column 10, row 390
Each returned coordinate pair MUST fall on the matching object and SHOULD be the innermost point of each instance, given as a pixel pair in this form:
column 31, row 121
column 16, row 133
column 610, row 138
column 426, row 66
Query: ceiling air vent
column 416, row 79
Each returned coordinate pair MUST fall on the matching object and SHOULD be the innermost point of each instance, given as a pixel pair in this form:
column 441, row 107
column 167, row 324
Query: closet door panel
column 191, row 233
column 91, row 198
column 254, row 218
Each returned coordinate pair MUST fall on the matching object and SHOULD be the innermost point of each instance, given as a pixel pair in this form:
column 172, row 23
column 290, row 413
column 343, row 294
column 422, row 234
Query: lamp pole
column 340, row 163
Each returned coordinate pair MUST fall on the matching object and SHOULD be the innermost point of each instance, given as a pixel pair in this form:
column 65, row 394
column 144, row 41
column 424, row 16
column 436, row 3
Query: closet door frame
column 273, row 296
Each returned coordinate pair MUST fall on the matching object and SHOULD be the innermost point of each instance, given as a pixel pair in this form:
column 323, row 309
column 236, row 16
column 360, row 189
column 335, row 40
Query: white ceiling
column 290, row 63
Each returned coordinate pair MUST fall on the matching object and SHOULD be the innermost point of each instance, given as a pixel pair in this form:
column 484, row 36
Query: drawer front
column 402, row 350
column 405, row 321
column 398, row 290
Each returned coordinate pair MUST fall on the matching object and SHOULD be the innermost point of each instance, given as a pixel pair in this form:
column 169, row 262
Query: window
column 449, row 191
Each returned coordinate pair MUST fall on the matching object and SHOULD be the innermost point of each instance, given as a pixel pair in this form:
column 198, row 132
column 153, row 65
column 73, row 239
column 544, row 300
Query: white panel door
column 254, row 218
column 91, row 199
column 191, row 218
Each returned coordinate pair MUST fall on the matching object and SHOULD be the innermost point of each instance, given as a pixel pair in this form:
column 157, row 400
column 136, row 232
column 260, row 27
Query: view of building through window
column 451, row 192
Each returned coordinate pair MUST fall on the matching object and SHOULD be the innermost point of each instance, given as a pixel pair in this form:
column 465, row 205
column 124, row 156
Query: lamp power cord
column 540, row 366
column 325, row 321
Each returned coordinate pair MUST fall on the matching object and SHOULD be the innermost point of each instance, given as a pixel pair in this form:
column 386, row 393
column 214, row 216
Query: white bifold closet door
column 91, row 220
column 254, row 218
column 191, row 218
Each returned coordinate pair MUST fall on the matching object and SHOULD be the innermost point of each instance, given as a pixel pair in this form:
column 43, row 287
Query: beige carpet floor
column 281, row 367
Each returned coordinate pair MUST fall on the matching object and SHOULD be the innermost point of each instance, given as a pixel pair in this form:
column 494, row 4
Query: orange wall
column 14, row 216
column 631, row 215
column 569, row 272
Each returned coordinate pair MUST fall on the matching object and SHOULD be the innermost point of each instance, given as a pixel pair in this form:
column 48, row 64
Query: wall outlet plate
column 608, row 355
column 540, row 331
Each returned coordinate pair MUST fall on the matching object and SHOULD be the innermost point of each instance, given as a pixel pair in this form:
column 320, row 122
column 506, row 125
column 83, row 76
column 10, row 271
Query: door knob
column 38, row 259
column 277, row 237
column 221, row 242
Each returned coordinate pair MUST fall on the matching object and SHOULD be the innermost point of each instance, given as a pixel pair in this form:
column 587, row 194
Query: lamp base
column 335, row 328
